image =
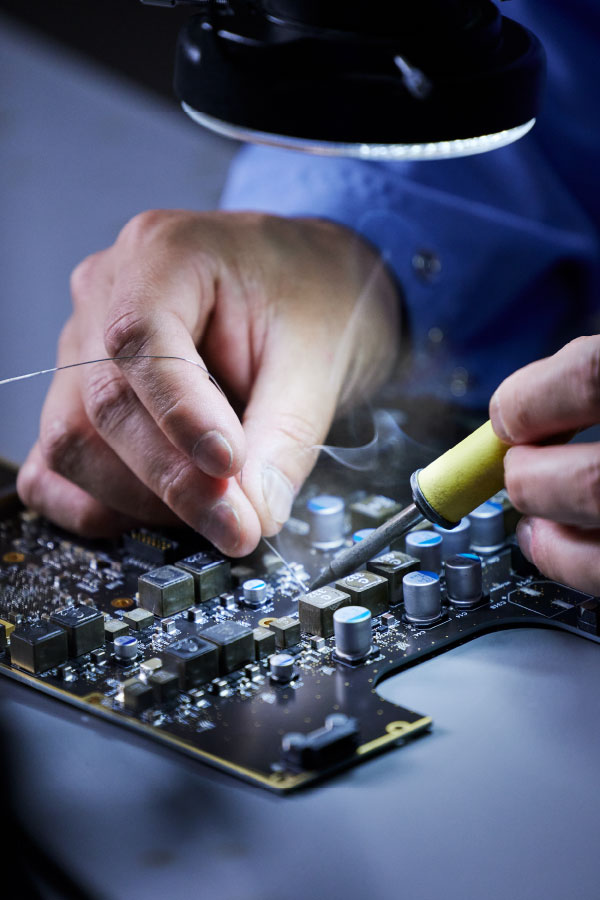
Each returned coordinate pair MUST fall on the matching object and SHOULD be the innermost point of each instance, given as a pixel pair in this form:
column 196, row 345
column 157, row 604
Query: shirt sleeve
column 495, row 259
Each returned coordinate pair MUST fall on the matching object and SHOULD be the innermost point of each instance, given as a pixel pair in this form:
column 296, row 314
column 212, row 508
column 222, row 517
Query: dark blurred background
column 135, row 40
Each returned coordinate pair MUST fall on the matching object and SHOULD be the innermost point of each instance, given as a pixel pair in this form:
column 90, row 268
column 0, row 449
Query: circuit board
column 233, row 662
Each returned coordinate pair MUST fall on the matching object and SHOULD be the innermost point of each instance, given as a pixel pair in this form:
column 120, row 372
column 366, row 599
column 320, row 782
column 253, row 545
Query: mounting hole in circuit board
column 122, row 602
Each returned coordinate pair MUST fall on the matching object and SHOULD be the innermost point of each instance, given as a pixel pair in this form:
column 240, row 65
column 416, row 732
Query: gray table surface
column 500, row 800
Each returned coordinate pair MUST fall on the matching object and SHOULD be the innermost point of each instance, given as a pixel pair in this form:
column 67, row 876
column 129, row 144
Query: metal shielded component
column 193, row 659
column 234, row 642
column 137, row 695
column 37, row 648
column 264, row 642
column 165, row 686
column 83, row 625
column 166, row 590
column 366, row 589
column 316, row 610
column 393, row 566
column 114, row 628
column 137, row 619
column 211, row 574
column 286, row 630
column 373, row 511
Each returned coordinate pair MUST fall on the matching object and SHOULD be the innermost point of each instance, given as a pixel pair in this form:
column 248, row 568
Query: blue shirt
column 514, row 234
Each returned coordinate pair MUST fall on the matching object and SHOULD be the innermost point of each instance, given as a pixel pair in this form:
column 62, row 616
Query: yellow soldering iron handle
column 463, row 477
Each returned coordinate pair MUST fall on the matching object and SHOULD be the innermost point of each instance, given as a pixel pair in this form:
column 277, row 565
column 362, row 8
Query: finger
column 563, row 553
column 160, row 304
column 71, row 447
column 560, row 483
column 289, row 413
column 216, row 508
column 64, row 503
column 550, row 396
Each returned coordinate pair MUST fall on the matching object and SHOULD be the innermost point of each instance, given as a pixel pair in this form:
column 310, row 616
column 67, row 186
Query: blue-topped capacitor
column 327, row 521
column 464, row 581
column 487, row 527
column 426, row 546
column 422, row 597
column 363, row 533
column 455, row 540
column 126, row 648
column 353, row 630
column 255, row 592
column 281, row 667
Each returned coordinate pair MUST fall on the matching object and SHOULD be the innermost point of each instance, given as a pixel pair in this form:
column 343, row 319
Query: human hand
column 292, row 317
column 557, row 487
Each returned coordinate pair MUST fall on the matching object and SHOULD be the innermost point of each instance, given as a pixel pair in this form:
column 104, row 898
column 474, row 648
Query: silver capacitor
column 455, row 540
column 422, row 597
column 464, row 579
column 326, row 517
column 255, row 592
column 487, row 527
column 281, row 667
column 125, row 647
column 353, row 632
column 426, row 546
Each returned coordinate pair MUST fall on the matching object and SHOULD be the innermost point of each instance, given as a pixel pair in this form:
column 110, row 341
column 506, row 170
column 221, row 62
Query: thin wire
column 274, row 550
column 89, row 362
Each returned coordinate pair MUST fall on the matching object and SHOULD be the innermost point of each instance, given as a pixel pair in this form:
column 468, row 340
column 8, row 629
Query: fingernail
column 497, row 420
column 223, row 527
column 278, row 493
column 213, row 454
column 524, row 531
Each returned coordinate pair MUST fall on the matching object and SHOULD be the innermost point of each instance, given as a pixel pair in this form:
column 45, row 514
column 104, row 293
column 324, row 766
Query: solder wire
column 90, row 362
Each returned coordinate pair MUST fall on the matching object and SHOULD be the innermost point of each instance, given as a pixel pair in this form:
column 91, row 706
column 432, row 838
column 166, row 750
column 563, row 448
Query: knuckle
column 143, row 226
column 589, row 491
column 587, row 378
column 298, row 429
column 174, row 483
column 83, row 276
column 26, row 484
column 107, row 401
column 126, row 333
column 60, row 444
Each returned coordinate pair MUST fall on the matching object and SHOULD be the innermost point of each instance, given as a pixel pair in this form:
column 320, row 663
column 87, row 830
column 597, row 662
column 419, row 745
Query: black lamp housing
column 344, row 76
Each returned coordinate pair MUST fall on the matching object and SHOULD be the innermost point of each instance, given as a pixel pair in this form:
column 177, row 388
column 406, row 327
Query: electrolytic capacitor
column 455, row 540
column 464, row 579
column 422, row 597
column 353, row 630
column 126, row 648
column 255, row 592
column 487, row 527
column 426, row 546
column 281, row 667
column 326, row 520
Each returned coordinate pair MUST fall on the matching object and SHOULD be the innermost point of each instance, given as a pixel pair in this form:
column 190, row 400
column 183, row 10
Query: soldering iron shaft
column 351, row 559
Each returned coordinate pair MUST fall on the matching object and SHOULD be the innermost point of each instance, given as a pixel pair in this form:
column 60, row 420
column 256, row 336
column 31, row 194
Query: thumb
column 289, row 413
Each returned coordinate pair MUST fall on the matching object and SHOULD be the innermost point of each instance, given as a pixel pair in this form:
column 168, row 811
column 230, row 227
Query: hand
column 292, row 317
column 556, row 487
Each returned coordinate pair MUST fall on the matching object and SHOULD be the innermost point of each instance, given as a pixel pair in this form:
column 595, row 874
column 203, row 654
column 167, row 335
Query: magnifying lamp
column 383, row 79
